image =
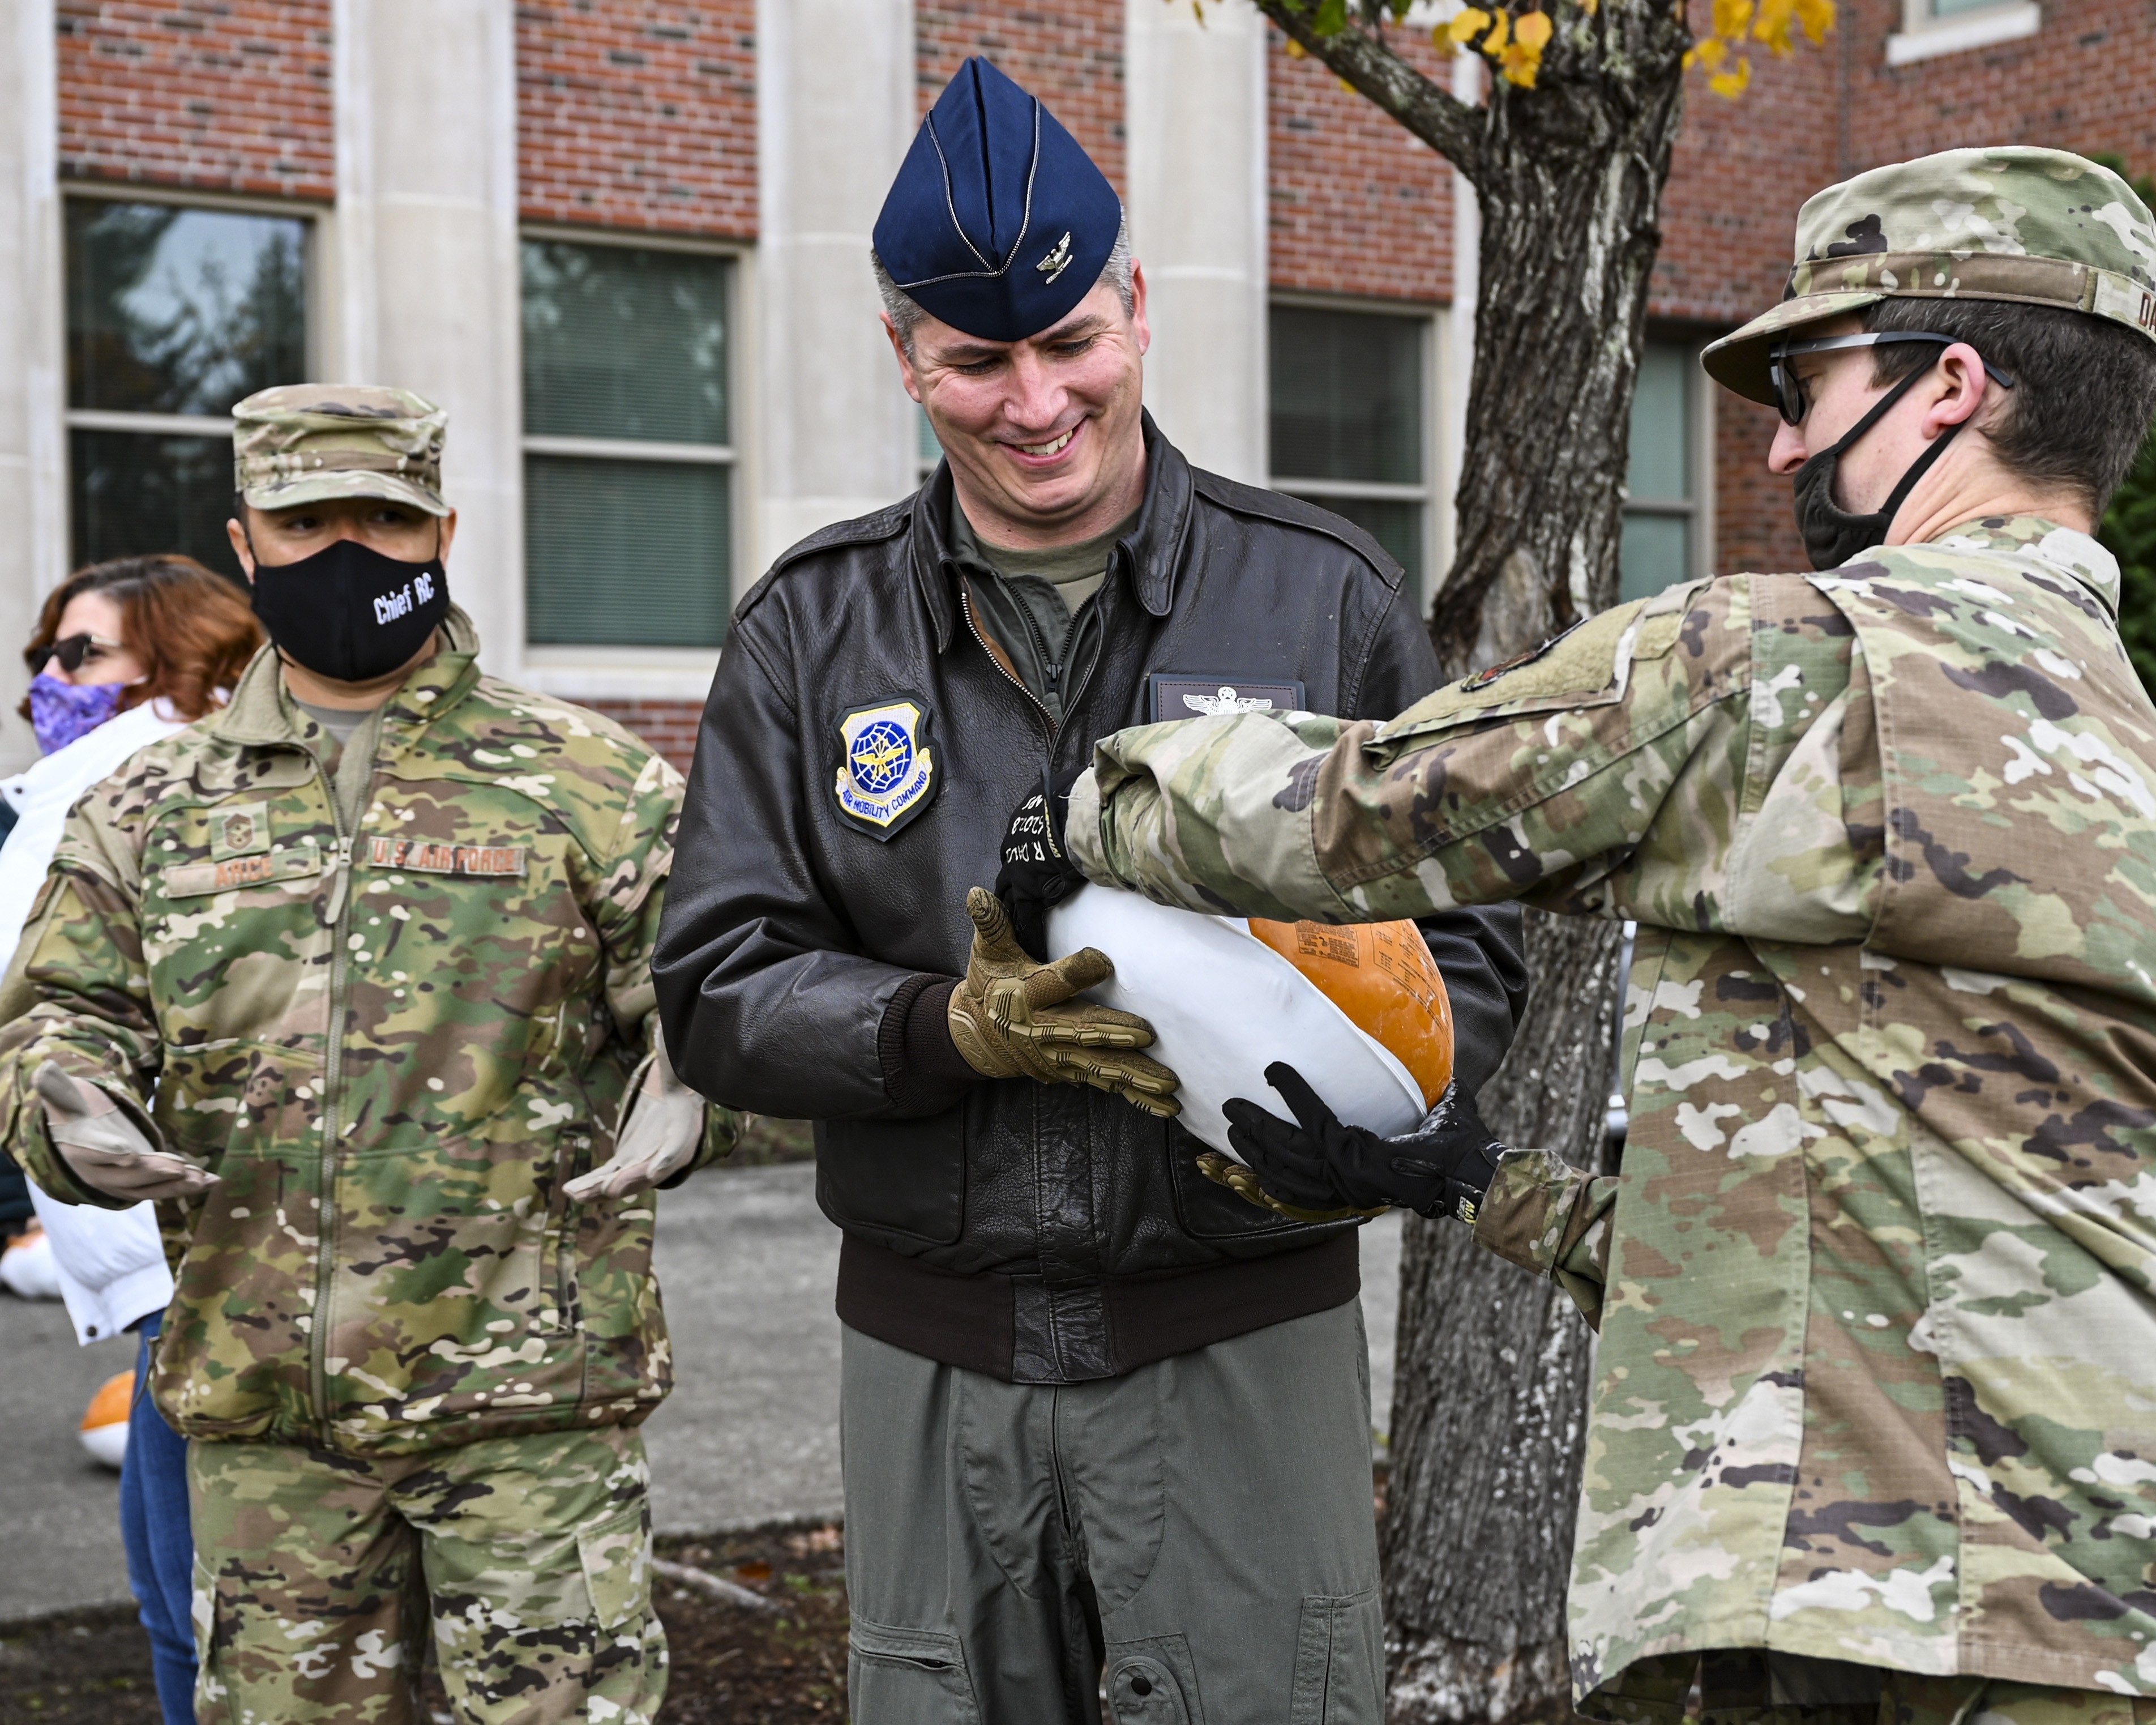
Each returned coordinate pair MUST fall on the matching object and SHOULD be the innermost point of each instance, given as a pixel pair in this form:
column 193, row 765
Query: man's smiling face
column 1043, row 435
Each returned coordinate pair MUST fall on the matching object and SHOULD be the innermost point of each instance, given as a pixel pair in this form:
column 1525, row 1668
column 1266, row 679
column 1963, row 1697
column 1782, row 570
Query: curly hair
column 192, row 628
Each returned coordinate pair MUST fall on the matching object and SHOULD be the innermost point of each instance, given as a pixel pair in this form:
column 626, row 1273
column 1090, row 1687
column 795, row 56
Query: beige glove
column 105, row 1149
column 664, row 1127
column 1013, row 1017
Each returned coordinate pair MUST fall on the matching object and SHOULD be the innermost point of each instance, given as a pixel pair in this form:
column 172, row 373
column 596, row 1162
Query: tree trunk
column 1490, row 1397
column 1489, row 1400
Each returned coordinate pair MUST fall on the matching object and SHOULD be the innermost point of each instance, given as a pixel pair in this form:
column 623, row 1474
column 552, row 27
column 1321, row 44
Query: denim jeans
column 161, row 1547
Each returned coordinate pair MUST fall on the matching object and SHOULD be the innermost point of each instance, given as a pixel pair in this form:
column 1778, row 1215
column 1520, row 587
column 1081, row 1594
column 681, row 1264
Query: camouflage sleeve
column 80, row 968
column 1603, row 773
column 630, row 897
column 1545, row 1215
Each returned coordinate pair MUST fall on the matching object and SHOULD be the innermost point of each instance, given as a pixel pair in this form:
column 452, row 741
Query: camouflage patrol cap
column 2041, row 227
column 309, row 443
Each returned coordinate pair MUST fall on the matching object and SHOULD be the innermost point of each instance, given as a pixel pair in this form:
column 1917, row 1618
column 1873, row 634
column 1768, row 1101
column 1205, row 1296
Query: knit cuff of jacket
column 923, row 1072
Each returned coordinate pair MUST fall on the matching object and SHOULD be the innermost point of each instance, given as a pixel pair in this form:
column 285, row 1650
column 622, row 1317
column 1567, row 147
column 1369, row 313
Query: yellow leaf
column 1440, row 40
column 1470, row 24
column 1521, row 62
column 1493, row 44
column 1777, row 18
column 1732, row 17
column 1533, row 30
column 1732, row 84
column 1817, row 17
column 1296, row 51
column 1589, row 7
column 1709, row 53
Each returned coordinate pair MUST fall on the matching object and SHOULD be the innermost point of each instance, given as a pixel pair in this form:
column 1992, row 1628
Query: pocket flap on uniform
column 617, row 1559
column 931, row 1649
column 189, row 879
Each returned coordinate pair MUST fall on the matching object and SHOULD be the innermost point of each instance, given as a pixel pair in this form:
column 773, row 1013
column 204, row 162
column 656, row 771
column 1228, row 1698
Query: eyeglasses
column 74, row 652
column 1790, row 397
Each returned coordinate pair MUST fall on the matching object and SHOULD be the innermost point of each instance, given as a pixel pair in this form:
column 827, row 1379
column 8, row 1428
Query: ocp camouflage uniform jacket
column 392, row 1065
column 1876, row 1285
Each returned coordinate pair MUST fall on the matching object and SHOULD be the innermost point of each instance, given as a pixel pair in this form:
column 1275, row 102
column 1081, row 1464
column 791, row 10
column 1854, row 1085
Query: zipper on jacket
column 340, row 908
column 1047, row 718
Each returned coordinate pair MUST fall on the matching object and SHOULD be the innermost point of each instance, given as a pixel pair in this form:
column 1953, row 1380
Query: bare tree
column 1568, row 158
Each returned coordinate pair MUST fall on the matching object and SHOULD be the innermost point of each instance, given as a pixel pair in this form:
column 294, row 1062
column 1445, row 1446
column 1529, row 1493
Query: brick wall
column 230, row 96
column 637, row 114
column 1069, row 54
column 1360, row 206
column 2081, row 82
column 1743, row 169
column 668, row 726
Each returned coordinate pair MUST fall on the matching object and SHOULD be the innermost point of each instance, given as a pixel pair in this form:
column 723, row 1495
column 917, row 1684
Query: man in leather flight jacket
column 892, row 689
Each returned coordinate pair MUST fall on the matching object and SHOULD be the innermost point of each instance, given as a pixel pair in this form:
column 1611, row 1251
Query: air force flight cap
column 998, row 223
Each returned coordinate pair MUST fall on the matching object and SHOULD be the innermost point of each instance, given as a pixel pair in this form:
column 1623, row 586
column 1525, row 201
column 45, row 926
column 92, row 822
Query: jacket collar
column 2068, row 551
column 1153, row 550
column 263, row 714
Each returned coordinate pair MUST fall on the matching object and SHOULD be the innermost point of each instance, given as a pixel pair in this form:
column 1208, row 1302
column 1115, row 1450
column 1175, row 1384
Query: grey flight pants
column 1202, row 1526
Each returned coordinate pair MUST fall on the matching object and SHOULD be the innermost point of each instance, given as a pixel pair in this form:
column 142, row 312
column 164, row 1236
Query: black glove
column 1036, row 875
column 1441, row 1168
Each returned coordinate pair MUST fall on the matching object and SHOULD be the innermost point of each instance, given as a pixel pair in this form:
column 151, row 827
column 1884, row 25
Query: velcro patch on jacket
column 238, row 829
column 422, row 856
column 188, row 880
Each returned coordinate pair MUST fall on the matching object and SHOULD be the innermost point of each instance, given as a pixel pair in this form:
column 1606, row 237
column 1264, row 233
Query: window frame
column 1925, row 35
column 1425, row 494
column 313, row 218
column 611, row 673
column 1698, row 509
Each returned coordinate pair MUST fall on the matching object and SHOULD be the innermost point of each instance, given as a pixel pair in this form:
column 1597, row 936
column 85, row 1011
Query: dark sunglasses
column 1790, row 397
column 74, row 652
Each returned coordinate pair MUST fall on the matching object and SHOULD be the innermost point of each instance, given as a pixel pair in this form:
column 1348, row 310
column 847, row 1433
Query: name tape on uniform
column 420, row 856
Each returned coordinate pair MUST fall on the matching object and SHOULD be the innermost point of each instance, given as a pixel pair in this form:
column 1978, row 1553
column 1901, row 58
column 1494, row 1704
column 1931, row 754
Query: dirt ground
column 731, row 1665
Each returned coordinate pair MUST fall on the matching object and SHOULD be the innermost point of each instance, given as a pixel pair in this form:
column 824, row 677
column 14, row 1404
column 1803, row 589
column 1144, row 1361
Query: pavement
column 750, row 1434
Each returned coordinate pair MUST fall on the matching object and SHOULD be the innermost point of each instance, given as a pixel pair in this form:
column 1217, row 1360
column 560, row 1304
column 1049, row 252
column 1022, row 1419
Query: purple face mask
column 60, row 712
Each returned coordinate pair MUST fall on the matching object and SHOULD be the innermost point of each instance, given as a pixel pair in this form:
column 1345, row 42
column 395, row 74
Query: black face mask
column 1832, row 534
column 348, row 613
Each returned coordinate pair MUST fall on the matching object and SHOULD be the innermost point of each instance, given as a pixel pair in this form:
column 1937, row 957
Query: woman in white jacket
column 125, row 654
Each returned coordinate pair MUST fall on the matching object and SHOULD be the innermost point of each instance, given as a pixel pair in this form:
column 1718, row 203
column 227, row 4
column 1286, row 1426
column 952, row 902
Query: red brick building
column 621, row 241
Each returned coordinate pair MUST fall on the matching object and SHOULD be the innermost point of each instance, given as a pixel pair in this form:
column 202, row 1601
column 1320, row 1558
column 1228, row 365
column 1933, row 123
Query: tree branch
column 1431, row 111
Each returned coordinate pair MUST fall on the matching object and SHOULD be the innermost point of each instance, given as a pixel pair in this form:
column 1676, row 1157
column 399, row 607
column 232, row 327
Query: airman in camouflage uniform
column 380, row 1015
column 1874, row 1431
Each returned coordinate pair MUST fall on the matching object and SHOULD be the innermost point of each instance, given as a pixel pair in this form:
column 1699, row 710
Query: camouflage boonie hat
column 2042, row 227
column 310, row 443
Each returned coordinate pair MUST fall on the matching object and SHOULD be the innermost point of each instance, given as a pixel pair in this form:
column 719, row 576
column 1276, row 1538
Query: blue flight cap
column 998, row 223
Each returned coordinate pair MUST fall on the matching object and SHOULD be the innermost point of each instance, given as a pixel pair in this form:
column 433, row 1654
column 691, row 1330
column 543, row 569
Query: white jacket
column 111, row 1263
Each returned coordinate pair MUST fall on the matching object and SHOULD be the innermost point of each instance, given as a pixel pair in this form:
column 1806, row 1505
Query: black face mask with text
column 348, row 613
column 1832, row 534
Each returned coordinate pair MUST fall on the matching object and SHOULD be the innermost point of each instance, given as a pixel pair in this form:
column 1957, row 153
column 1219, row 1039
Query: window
column 1933, row 27
column 628, row 506
column 1663, row 533
column 1347, row 408
column 173, row 314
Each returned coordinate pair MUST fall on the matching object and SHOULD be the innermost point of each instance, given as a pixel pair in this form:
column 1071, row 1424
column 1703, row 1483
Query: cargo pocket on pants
column 616, row 1554
column 905, row 1676
column 1340, row 1660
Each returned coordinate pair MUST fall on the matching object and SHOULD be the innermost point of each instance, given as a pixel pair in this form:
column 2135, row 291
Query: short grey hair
column 906, row 312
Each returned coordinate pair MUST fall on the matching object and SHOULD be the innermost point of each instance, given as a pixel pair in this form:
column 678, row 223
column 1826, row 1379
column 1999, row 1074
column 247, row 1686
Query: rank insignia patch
column 886, row 768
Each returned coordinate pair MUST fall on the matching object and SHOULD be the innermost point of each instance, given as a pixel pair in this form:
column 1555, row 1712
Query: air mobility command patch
column 886, row 768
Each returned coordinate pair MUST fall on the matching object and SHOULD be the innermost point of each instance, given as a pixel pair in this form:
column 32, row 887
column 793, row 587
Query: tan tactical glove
column 105, row 1149
column 664, row 1127
column 1014, row 1017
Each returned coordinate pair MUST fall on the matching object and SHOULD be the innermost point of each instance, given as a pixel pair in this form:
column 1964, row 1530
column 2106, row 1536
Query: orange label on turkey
column 1382, row 976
